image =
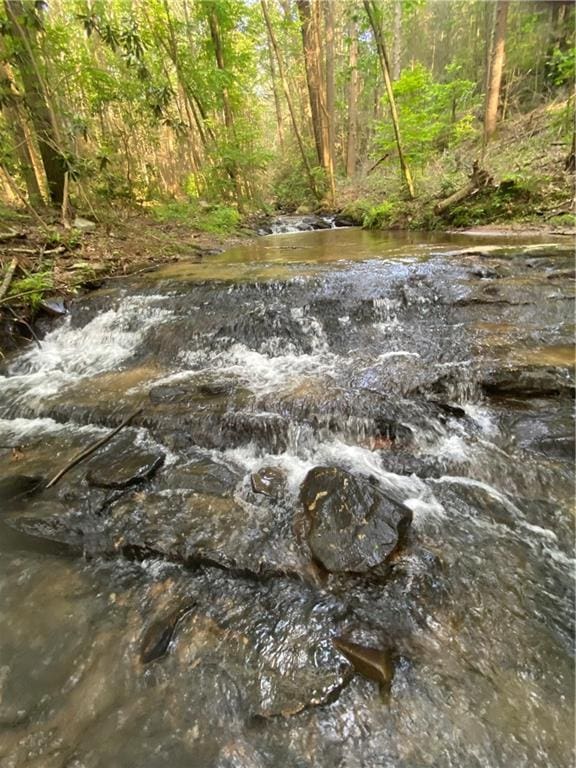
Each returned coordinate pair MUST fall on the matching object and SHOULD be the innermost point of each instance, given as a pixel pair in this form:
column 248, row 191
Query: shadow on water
column 193, row 594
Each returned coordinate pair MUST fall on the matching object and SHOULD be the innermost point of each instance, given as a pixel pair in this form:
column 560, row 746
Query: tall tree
column 495, row 72
column 374, row 19
column 23, row 23
column 286, row 89
column 352, row 127
column 10, row 101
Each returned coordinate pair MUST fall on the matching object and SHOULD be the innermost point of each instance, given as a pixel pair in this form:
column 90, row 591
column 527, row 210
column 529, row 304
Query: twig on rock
column 91, row 449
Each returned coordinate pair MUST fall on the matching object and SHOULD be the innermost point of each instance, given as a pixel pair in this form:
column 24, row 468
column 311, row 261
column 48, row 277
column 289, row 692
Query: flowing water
column 438, row 366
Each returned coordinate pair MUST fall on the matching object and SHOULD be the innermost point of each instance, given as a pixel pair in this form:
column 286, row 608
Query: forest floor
column 530, row 186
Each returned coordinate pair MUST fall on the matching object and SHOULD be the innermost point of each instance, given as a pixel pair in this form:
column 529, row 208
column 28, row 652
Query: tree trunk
column 352, row 142
column 287, row 96
column 311, row 63
column 231, row 167
column 496, row 69
column 277, row 104
column 330, row 98
column 41, row 114
column 372, row 13
column 397, row 40
column 15, row 119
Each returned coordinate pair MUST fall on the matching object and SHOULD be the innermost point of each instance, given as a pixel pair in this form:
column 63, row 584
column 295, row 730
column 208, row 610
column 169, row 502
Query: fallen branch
column 377, row 163
column 26, row 324
column 11, row 235
column 8, row 277
column 478, row 179
column 90, row 450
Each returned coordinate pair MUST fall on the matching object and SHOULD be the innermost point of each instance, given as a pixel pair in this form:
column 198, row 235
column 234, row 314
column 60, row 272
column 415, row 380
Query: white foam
column 68, row 354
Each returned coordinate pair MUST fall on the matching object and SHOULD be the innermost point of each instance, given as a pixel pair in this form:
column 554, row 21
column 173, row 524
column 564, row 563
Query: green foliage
column 33, row 287
column 379, row 216
column 215, row 219
column 291, row 186
column 563, row 220
column 357, row 210
column 427, row 112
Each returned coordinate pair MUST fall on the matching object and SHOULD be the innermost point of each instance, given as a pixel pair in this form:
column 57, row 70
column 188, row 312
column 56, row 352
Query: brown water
column 443, row 373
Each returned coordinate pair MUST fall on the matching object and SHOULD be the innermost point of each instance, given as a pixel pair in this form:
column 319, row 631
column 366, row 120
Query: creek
column 165, row 602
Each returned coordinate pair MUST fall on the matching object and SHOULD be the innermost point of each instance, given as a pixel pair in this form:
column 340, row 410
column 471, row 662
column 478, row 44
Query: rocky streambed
column 338, row 530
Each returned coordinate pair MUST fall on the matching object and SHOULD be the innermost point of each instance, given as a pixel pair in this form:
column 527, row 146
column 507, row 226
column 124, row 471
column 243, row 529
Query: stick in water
column 91, row 449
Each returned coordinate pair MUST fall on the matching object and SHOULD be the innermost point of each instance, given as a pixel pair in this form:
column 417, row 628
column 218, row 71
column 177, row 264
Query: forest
column 244, row 106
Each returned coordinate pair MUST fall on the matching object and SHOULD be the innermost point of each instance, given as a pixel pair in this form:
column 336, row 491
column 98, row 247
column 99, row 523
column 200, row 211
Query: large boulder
column 353, row 526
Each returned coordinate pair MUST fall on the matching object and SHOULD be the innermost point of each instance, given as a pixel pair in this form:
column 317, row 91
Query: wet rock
column 562, row 447
column 202, row 475
column 56, row 530
column 18, row 487
column 54, row 307
column 269, row 481
column 353, row 525
column 528, row 381
column 343, row 221
column 124, row 471
column 200, row 529
column 158, row 636
column 373, row 663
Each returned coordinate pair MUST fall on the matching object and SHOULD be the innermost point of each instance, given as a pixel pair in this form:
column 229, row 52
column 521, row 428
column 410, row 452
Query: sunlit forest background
column 250, row 105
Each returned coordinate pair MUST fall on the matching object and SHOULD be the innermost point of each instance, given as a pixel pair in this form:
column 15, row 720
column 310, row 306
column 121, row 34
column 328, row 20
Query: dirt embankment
column 43, row 267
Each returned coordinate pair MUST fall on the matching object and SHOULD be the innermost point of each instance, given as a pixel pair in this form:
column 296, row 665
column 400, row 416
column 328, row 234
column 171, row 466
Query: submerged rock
column 373, row 663
column 158, row 636
column 18, row 487
column 353, row 525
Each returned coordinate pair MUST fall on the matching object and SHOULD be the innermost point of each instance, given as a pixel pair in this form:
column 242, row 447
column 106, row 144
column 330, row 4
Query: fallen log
column 479, row 179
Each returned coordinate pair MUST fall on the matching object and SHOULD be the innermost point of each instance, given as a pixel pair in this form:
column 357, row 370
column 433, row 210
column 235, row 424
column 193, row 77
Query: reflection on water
column 437, row 368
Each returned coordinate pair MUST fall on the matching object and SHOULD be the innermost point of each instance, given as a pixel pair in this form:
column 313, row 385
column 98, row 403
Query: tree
column 495, row 72
column 373, row 17
column 23, row 23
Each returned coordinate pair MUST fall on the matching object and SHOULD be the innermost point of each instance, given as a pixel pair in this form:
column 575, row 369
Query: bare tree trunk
column 330, row 97
column 372, row 13
column 496, row 69
column 231, row 167
column 15, row 119
column 287, row 96
column 277, row 104
column 397, row 40
column 41, row 114
column 312, row 72
column 352, row 142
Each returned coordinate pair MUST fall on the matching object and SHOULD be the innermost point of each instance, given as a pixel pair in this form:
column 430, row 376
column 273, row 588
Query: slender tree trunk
column 372, row 13
column 496, row 69
column 231, row 167
column 287, row 96
column 330, row 96
column 16, row 121
column 352, row 142
column 41, row 114
column 277, row 102
column 397, row 40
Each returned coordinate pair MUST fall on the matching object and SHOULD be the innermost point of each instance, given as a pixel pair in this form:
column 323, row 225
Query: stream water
column 156, row 608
